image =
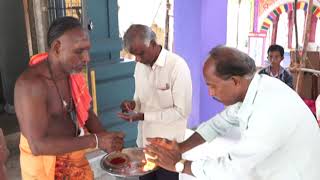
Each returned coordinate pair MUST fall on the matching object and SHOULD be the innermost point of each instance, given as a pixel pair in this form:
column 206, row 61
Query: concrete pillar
column 195, row 33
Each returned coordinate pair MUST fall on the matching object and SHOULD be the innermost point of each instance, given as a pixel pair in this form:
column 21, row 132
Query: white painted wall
column 144, row 12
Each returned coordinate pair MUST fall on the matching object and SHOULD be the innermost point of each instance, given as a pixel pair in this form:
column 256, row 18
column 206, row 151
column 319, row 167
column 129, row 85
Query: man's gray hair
column 138, row 32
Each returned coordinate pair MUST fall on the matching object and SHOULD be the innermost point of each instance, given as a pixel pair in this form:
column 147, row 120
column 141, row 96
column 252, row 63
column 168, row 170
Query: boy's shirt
column 283, row 75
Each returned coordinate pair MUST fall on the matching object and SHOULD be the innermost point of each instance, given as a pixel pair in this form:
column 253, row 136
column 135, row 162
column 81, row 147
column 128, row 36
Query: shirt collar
column 281, row 71
column 161, row 60
column 247, row 104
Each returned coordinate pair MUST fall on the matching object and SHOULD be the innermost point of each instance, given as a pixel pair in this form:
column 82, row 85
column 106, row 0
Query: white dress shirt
column 163, row 93
column 280, row 138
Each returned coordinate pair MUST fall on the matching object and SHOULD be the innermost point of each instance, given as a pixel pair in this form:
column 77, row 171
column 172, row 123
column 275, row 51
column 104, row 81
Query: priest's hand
column 110, row 141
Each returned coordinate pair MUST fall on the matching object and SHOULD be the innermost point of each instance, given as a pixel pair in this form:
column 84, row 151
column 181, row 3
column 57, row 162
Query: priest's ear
column 56, row 46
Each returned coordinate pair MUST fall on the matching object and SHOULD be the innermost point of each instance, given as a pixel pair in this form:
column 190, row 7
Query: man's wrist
column 93, row 140
column 187, row 168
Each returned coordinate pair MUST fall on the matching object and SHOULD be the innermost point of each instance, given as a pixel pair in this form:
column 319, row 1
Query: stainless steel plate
column 133, row 168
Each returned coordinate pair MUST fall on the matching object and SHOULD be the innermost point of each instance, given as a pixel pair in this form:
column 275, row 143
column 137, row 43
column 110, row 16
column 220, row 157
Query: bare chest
column 60, row 108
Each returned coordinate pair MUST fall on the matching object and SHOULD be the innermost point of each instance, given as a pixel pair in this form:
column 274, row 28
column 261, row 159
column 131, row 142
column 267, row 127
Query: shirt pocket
column 165, row 98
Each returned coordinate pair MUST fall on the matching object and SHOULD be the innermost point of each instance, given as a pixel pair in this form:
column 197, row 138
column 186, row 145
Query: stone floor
column 13, row 167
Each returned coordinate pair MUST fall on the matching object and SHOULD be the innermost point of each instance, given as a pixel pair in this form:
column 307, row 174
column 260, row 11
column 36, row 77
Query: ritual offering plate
column 117, row 160
column 130, row 162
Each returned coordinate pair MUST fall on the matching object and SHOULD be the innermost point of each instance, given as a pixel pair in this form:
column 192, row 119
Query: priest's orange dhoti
column 70, row 166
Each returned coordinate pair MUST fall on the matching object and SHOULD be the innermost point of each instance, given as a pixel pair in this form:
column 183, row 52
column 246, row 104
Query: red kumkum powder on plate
column 118, row 161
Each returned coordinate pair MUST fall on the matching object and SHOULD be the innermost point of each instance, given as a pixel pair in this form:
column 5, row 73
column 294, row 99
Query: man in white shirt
column 163, row 92
column 279, row 134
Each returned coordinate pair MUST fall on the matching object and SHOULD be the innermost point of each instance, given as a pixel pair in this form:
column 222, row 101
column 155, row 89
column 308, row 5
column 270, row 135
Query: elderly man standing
column 52, row 104
column 163, row 92
column 279, row 134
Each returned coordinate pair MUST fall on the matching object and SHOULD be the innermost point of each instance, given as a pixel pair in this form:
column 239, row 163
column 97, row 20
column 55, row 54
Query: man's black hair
column 60, row 26
column 232, row 62
column 276, row 47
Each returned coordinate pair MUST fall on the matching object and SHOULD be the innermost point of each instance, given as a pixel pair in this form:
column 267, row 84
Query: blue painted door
column 114, row 77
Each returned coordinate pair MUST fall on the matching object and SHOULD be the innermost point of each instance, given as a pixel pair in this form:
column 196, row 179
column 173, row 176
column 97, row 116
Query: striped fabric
column 286, row 8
